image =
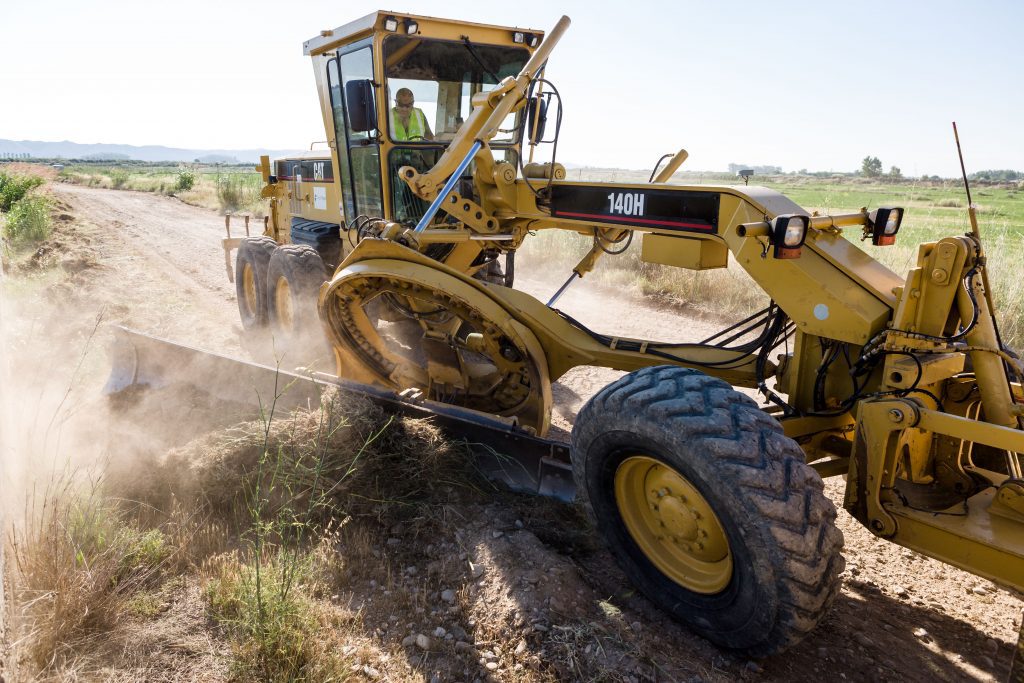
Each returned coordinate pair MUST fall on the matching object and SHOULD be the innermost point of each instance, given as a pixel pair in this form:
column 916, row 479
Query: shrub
column 28, row 220
column 186, row 180
column 119, row 178
column 14, row 186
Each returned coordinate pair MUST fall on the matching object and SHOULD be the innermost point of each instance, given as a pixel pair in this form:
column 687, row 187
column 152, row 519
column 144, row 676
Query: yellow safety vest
column 417, row 125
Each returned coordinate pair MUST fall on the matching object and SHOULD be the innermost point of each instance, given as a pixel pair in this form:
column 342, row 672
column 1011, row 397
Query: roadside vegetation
column 24, row 204
column 224, row 188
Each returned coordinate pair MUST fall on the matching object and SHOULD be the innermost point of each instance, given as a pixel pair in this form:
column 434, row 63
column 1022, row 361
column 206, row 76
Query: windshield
column 430, row 84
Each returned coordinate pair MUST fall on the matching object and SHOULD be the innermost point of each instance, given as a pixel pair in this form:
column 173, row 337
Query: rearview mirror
column 362, row 110
column 536, row 107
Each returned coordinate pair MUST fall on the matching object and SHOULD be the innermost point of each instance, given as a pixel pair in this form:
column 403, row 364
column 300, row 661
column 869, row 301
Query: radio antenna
column 970, row 204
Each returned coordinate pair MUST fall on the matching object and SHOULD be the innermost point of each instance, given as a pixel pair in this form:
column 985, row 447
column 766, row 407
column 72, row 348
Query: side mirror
column 362, row 110
column 536, row 107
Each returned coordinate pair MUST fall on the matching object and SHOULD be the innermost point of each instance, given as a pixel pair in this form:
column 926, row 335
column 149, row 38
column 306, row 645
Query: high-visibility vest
column 417, row 125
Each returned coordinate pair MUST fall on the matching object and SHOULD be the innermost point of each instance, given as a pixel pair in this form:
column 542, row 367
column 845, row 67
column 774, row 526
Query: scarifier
column 389, row 252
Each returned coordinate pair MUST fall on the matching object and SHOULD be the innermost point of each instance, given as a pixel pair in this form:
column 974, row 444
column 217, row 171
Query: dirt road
column 156, row 264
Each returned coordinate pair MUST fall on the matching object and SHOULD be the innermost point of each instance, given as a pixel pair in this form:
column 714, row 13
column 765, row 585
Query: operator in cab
column 408, row 122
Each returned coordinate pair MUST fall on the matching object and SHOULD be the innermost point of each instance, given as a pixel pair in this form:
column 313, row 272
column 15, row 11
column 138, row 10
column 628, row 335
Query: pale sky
column 816, row 85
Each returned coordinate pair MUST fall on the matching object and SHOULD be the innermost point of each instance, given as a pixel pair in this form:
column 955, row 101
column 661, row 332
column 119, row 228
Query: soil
column 516, row 587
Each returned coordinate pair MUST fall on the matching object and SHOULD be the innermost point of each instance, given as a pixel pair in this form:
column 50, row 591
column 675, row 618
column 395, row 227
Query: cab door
column 358, row 150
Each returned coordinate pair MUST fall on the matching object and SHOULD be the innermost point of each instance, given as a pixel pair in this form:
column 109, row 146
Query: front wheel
column 708, row 507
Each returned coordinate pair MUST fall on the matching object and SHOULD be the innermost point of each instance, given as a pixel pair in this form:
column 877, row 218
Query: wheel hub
column 673, row 524
column 249, row 288
column 283, row 304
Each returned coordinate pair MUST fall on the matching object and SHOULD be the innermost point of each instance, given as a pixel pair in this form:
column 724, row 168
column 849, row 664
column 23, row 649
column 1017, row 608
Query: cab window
column 440, row 78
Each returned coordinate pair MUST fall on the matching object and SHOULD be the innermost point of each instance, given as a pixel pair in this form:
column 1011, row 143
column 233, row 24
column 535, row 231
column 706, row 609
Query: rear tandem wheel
column 708, row 507
column 294, row 276
column 251, row 280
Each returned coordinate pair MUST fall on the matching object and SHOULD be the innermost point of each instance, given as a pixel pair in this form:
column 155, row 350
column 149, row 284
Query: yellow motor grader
column 397, row 243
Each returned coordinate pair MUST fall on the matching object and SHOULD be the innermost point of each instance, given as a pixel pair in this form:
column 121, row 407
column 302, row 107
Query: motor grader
column 398, row 255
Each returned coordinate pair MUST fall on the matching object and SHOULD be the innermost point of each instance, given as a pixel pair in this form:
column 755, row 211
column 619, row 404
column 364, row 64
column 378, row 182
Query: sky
column 801, row 85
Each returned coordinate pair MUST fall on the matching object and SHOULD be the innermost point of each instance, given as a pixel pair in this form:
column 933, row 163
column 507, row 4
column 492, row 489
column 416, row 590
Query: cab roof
column 365, row 26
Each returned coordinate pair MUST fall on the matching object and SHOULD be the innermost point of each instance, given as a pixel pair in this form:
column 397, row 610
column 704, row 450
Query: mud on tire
column 294, row 276
column 780, row 528
column 251, row 280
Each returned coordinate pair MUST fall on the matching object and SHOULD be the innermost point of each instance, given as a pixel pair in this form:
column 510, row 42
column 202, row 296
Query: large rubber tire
column 294, row 276
column 251, row 264
column 780, row 527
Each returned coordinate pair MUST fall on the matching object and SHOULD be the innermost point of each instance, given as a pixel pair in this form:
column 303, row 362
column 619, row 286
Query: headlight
column 534, row 40
column 412, row 27
column 390, row 24
column 518, row 37
column 788, row 234
column 885, row 223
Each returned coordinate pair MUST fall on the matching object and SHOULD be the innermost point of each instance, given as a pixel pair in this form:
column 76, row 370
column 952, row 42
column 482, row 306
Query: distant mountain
column 75, row 150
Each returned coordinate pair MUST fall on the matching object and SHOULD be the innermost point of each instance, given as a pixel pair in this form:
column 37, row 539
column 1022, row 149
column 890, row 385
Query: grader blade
column 150, row 368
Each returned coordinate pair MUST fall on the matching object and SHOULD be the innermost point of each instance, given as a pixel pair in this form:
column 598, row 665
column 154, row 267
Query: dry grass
column 76, row 560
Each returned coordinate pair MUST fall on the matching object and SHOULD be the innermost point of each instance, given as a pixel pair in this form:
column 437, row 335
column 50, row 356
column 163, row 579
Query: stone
column 463, row 646
column 921, row 633
column 440, row 632
column 979, row 590
column 489, row 656
column 520, row 648
column 491, row 666
column 371, row 672
column 423, row 642
column 901, row 592
column 519, row 524
column 991, row 645
column 448, row 596
column 863, row 640
column 987, row 662
column 753, row 667
column 497, row 534
column 408, row 641
column 476, row 570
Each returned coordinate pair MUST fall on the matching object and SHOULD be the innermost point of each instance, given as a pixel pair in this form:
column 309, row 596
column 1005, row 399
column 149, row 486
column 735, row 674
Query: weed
column 28, row 220
column 949, row 203
column 277, row 628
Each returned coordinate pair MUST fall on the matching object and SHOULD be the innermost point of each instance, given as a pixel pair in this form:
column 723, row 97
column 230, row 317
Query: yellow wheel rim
column 673, row 524
column 249, row 288
column 283, row 304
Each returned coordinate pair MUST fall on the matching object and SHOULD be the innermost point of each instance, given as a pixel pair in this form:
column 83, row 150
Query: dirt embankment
column 514, row 588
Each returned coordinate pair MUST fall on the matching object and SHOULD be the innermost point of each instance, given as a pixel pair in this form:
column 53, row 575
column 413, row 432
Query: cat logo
column 318, row 170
